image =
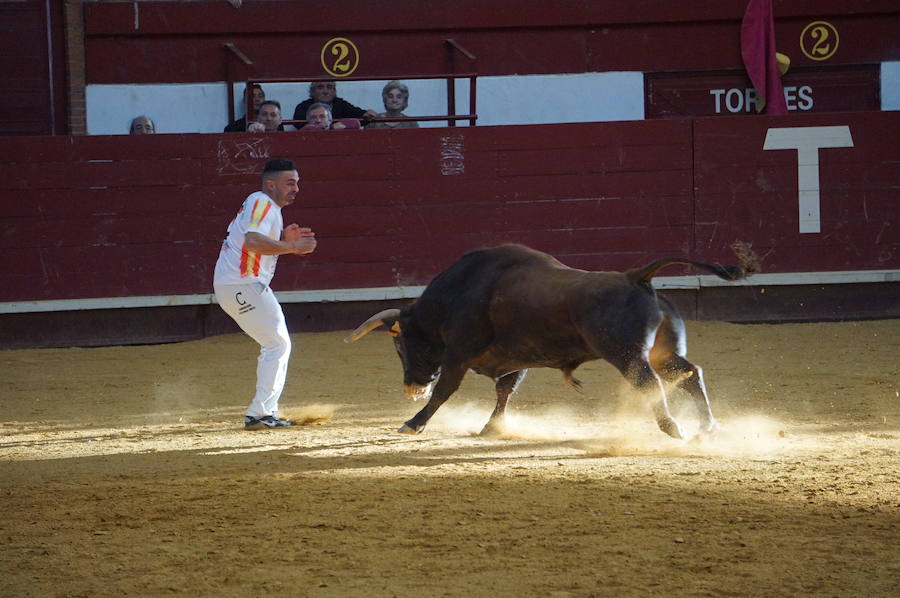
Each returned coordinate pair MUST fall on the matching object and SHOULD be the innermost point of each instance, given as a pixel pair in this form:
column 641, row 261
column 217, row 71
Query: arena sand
column 124, row 471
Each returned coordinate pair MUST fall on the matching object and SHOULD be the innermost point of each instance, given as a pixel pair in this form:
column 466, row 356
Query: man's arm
column 237, row 126
column 263, row 245
column 341, row 108
column 346, row 123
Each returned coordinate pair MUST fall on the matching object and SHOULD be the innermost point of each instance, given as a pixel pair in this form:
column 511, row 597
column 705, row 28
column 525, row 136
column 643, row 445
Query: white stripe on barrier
column 411, row 292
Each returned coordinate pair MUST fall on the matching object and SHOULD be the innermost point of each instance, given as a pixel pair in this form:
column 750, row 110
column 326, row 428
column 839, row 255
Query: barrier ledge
column 412, row 292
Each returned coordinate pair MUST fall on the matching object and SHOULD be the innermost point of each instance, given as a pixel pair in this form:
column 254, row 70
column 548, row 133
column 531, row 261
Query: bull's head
column 420, row 358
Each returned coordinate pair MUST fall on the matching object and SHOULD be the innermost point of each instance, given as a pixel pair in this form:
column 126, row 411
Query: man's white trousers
column 256, row 310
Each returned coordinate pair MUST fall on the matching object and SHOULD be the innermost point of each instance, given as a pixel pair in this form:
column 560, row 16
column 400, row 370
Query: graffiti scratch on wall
column 240, row 157
column 453, row 160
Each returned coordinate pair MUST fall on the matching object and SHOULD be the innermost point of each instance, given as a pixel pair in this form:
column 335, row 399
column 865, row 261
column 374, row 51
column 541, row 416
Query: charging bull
column 502, row 310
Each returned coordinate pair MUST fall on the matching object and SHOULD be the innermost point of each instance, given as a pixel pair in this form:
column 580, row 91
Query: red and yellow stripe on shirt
column 250, row 259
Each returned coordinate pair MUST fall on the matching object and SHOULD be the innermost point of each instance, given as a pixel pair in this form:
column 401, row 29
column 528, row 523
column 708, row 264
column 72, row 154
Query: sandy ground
column 125, row 471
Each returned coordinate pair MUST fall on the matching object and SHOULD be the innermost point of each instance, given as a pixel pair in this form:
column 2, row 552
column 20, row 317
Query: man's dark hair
column 278, row 165
column 273, row 103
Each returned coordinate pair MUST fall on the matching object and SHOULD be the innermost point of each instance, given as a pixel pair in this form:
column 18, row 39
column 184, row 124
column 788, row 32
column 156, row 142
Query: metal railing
column 451, row 116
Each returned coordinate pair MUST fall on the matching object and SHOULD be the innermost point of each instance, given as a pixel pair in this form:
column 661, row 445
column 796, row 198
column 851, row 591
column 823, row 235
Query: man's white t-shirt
column 237, row 264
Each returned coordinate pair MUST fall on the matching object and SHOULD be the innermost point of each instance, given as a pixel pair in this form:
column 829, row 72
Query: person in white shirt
column 243, row 272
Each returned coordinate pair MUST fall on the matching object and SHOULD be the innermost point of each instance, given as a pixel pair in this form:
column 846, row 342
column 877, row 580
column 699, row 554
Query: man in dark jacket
column 325, row 92
column 259, row 96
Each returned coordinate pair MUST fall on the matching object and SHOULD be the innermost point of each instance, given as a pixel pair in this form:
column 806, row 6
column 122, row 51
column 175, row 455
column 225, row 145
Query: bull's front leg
column 506, row 386
column 446, row 385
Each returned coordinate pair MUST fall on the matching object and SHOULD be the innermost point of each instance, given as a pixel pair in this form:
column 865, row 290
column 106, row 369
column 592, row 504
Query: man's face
column 319, row 117
column 270, row 117
column 142, row 126
column 393, row 100
column 283, row 187
column 259, row 96
column 323, row 92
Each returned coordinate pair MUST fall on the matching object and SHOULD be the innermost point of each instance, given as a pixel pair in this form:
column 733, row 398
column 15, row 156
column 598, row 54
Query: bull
column 502, row 310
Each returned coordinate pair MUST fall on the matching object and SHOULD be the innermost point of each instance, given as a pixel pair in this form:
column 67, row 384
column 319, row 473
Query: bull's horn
column 372, row 323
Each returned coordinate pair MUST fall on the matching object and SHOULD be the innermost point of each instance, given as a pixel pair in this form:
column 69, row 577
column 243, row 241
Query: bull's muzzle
column 416, row 391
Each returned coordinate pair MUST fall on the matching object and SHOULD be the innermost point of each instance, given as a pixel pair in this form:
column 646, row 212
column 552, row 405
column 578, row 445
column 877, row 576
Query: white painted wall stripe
column 412, row 292
column 808, row 141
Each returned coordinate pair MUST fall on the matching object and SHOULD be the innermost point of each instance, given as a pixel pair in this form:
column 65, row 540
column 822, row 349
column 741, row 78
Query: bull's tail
column 748, row 263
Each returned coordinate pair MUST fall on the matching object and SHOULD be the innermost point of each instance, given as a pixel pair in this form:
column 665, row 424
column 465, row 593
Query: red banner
column 758, row 53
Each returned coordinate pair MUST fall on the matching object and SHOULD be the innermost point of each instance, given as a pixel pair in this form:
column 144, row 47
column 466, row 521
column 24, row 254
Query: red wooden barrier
column 123, row 216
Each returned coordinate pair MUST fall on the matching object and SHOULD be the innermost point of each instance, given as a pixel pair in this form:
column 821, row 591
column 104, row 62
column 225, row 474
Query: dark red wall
column 144, row 215
column 32, row 77
column 183, row 41
column 742, row 191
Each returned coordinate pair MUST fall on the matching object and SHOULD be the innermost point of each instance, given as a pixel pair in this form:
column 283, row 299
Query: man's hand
column 294, row 231
column 302, row 238
column 304, row 245
column 256, row 128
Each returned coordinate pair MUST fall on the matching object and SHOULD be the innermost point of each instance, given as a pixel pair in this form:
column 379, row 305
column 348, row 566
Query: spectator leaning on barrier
column 319, row 118
column 268, row 119
column 325, row 92
column 258, row 97
column 141, row 125
column 396, row 98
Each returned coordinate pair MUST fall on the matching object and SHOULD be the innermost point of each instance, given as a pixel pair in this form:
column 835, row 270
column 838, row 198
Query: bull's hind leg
column 635, row 366
column 667, row 358
column 689, row 377
column 506, row 386
column 642, row 376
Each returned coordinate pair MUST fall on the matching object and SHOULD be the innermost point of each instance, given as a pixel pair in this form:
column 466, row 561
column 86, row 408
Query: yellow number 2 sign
column 339, row 57
column 819, row 40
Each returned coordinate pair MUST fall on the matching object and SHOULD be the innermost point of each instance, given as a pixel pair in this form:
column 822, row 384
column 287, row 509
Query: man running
column 244, row 270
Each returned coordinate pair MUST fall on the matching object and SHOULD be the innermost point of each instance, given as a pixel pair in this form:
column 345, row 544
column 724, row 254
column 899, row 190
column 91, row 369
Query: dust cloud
column 628, row 432
column 314, row 414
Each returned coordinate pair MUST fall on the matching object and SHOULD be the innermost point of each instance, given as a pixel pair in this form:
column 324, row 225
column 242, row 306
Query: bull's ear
column 395, row 330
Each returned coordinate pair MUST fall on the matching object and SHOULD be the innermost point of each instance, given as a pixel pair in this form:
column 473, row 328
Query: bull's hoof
column 406, row 429
column 710, row 428
column 670, row 427
column 492, row 429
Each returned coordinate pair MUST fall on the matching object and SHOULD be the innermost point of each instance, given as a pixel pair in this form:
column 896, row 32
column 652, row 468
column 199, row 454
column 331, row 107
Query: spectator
column 396, row 98
column 268, row 119
column 141, row 125
column 258, row 97
column 325, row 92
column 319, row 118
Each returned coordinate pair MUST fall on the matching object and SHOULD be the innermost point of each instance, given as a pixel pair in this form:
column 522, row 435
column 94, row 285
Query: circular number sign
column 339, row 57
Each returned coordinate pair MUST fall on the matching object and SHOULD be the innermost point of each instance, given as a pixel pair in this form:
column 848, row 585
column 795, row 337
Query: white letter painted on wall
column 807, row 141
